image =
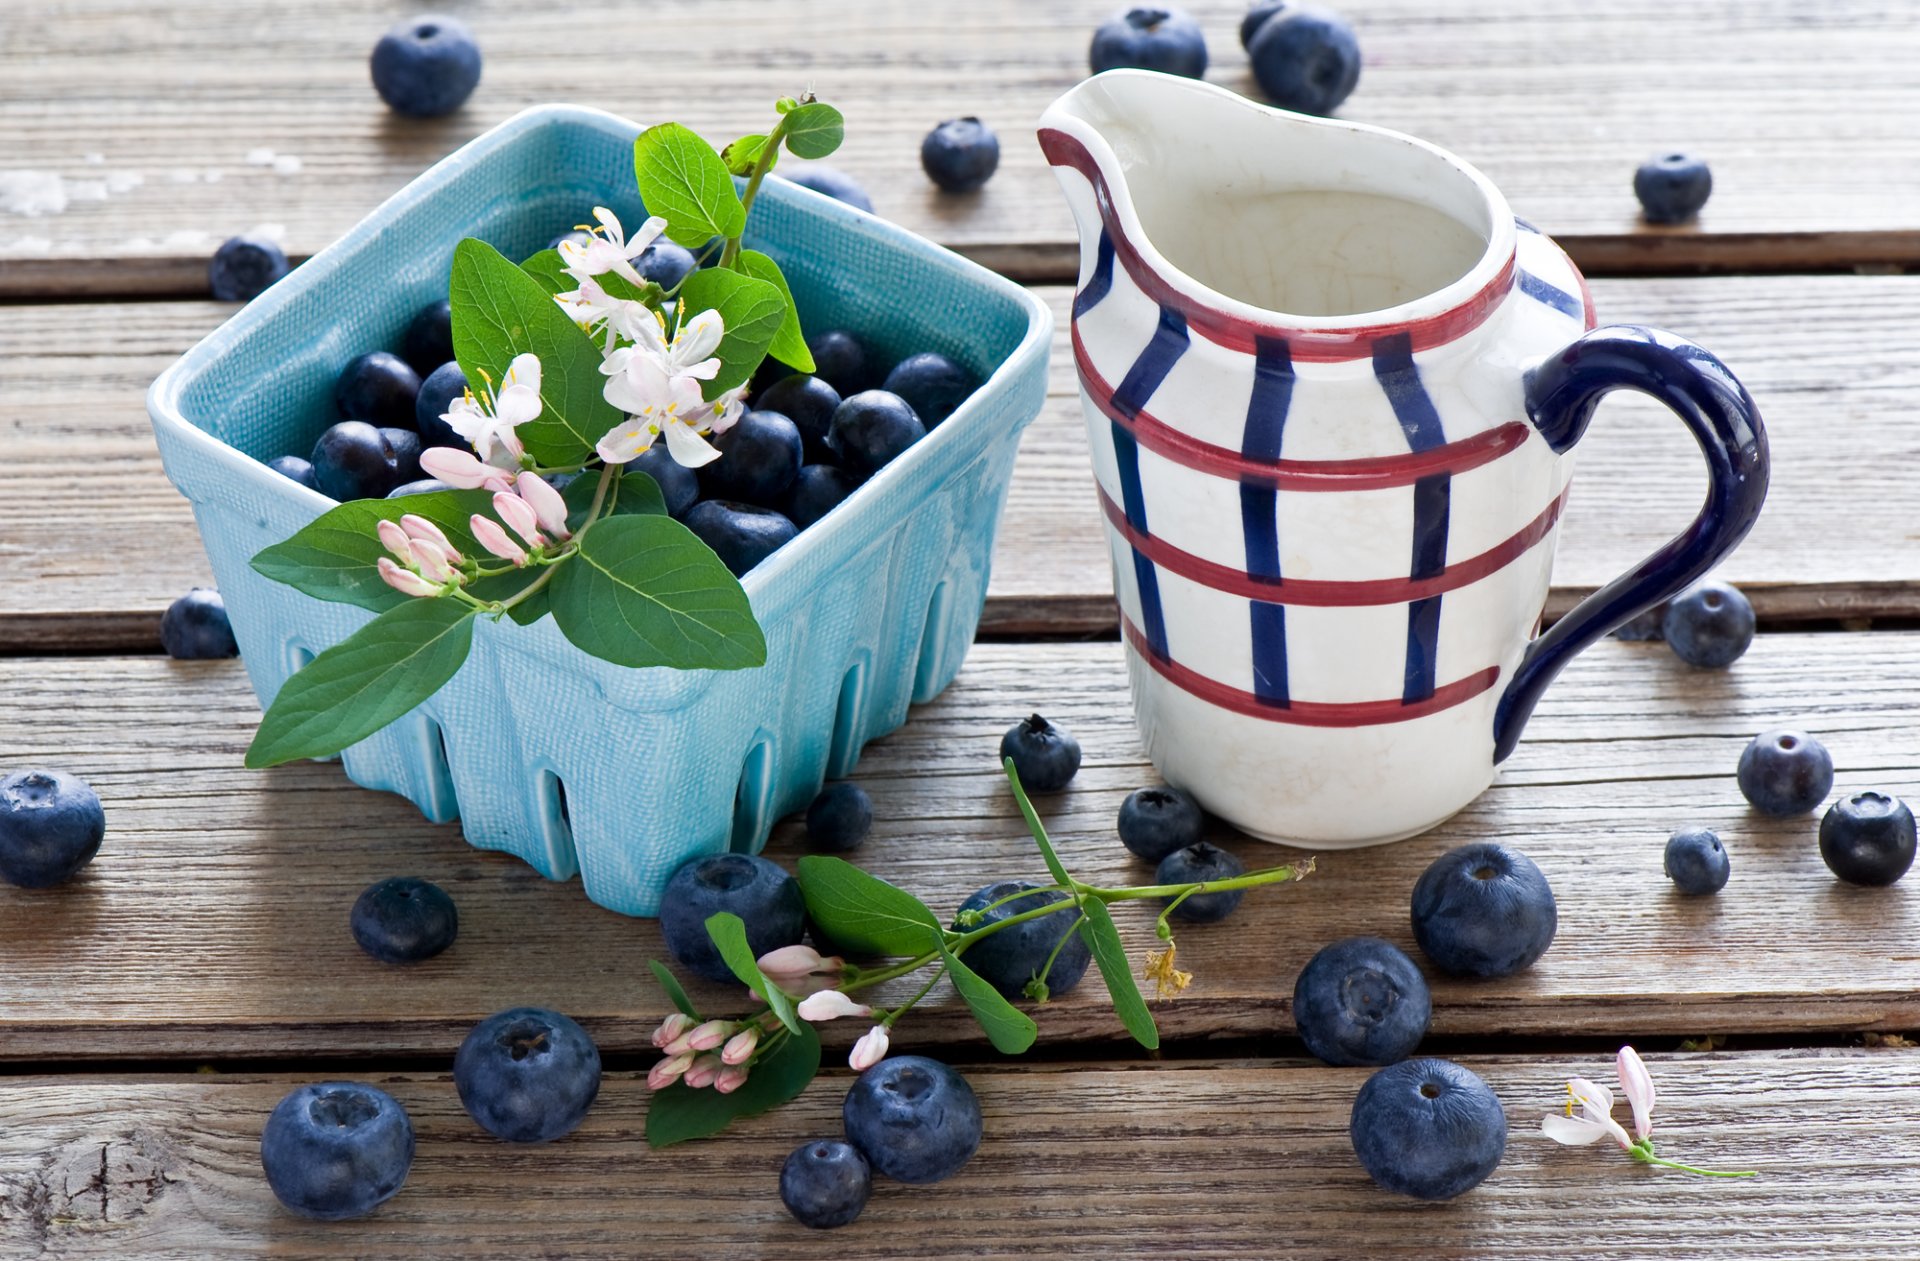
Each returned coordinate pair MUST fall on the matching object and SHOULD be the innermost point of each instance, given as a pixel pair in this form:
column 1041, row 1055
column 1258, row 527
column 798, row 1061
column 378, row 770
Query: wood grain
column 1835, row 383
column 1557, row 100
column 214, row 924
column 1245, row 1158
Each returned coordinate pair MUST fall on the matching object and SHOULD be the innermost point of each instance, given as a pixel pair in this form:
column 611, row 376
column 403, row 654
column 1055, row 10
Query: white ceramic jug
column 1332, row 388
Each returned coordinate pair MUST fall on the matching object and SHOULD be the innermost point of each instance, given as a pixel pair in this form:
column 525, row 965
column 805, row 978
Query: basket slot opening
column 444, row 800
column 556, row 826
column 849, row 723
column 298, row 655
column 752, row 799
column 928, row 673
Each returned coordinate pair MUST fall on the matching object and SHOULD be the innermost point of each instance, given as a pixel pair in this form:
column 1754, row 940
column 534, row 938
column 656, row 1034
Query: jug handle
column 1561, row 395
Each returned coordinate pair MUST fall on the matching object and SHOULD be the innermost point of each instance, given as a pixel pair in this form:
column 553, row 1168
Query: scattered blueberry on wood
column 1146, row 37
column 1199, row 862
column 1256, row 16
column 1710, row 625
column 765, row 898
column 1014, row 959
column 527, row 1075
column 404, row 919
column 1305, row 59
column 1154, row 822
column 1483, row 910
column 914, row 1119
column 1697, row 862
column 1361, row 1001
column 195, row 627
column 1673, row 187
column 1045, row 755
column 1868, row 838
column 825, row 1183
column 244, row 266
column 51, row 825
column 1644, row 627
column 1785, row 772
column 960, row 155
column 426, row 67
column 336, row 1150
column 1428, row 1128
column 839, row 818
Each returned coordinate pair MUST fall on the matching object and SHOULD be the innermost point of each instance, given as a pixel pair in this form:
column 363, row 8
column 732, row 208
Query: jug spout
column 1269, row 217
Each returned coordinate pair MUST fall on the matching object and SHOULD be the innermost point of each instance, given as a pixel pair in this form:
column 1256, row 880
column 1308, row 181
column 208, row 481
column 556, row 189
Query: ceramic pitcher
column 1332, row 389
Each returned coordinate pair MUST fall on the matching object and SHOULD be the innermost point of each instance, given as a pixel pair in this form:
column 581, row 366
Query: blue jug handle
column 1561, row 395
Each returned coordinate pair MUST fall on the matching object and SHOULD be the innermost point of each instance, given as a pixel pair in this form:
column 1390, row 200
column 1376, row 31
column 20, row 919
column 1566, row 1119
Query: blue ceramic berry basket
column 571, row 763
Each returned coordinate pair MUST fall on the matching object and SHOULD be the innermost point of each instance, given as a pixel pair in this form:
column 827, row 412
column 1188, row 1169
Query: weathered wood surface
column 214, row 923
column 1824, row 355
column 1245, row 1158
column 1803, row 110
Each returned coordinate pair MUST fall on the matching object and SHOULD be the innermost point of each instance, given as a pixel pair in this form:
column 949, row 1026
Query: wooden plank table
column 152, row 1011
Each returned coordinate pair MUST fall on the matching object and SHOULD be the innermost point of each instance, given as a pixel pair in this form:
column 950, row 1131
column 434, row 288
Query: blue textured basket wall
column 570, row 763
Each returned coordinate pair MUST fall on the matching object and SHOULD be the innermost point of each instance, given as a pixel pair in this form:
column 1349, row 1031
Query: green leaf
column 679, row 1112
column 729, row 933
column 333, row 557
column 789, row 344
column 365, row 681
column 744, row 153
column 864, row 914
column 500, row 311
column 1111, row 954
column 1033, row 825
column 815, row 130
column 547, row 268
column 670, row 984
column 1008, row 1028
column 753, row 311
column 684, row 181
column 643, row 591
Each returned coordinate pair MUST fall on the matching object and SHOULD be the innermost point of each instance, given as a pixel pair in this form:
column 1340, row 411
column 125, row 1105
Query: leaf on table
column 1103, row 938
column 365, row 681
column 335, row 556
column 789, row 344
column 670, row 985
column 680, row 1113
column 1009, row 1029
column 752, row 310
column 644, row 591
column 864, row 914
column 815, row 130
column 729, row 934
column 1034, row 825
column 685, row 182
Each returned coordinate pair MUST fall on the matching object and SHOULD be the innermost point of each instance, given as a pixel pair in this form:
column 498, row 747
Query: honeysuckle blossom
column 1588, row 1117
column 547, row 503
column 674, row 1026
column 423, row 561
column 609, row 249
column 731, row 1078
column 690, row 351
column 406, row 581
column 657, row 404
column 669, row 1070
column 463, row 470
column 520, row 516
column 495, row 539
column 711, row 1034
column 435, row 563
column 701, row 1073
column 869, row 1050
column 795, row 967
column 739, row 1048
column 824, row 1005
column 488, row 423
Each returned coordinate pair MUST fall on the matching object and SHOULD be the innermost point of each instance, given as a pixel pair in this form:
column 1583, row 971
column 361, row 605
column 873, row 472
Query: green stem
column 1642, row 1151
column 908, row 1006
column 761, row 165
column 1252, row 880
column 1058, row 946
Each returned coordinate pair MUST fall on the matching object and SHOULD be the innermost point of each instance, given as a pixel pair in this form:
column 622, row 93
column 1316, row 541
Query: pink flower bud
column 794, row 967
column 869, row 1050
column 394, row 539
column 669, row 1070
column 739, row 1048
column 458, row 468
column 519, row 514
column 419, row 527
column 710, row 1035
column 546, row 501
column 496, row 540
column 730, row 1079
column 826, row 1005
column 703, row 1070
column 672, row 1027
column 431, row 561
column 405, row 581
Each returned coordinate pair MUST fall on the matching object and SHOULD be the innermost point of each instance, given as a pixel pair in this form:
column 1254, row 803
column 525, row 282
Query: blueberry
column 527, row 1075
column 1709, row 625
column 1013, row 958
column 1644, row 627
column 914, row 1119
column 244, row 266
column 354, row 460
column 336, row 1149
column 766, row 898
column 429, row 339
column 444, row 384
column 426, row 66
column 665, row 263
column 1164, row 39
column 844, row 361
column 839, row 818
column 1044, row 756
column 960, row 154
column 1361, row 1002
column 871, row 429
column 830, row 181
column 294, row 468
column 679, row 485
column 404, row 919
column 1306, row 59
column 1697, row 862
column 195, row 627
column 51, row 826
column 825, row 1183
column 1672, row 187
column 1154, row 822
column 809, row 403
column 1198, row 862
column 1428, row 1128
column 425, row 486
column 1483, row 910
column 406, row 454
column 1256, row 16
column 759, row 458
column 932, row 384
column 1785, row 772
column 377, row 387
column 818, row 490
column 742, row 535
column 1868, row 838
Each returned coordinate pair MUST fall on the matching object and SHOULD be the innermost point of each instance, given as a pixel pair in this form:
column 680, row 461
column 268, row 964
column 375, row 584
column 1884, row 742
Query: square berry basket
column 571, row 763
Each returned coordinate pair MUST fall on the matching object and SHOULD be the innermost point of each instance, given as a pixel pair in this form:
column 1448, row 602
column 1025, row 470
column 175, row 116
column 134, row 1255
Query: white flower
column 463, row 469
column 591, row 306
column 657, row 404
column 489, row 426
column 830, row 1005
column 1637, row 1085
column 690, row 353
column 1593, row 1121
column 609, row 249
column 869, row 1050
